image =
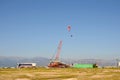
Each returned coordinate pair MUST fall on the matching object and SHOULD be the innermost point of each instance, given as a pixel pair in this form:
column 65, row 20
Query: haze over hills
column 12, row 61
column 41, row 61
column 99, row 62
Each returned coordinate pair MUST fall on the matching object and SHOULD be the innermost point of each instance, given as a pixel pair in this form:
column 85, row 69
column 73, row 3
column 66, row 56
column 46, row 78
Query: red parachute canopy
column 69, row 28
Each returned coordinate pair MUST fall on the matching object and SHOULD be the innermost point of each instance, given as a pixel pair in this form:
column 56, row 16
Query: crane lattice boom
column 58, row 51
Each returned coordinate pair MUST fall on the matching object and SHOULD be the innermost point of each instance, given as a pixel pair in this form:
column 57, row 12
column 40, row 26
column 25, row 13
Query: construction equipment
column 55, row 63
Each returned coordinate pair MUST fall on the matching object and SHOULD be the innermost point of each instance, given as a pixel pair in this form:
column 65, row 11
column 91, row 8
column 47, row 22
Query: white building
column 118, row 64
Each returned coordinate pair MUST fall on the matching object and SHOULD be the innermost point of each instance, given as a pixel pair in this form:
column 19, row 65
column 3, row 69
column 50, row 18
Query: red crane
column 56, row 63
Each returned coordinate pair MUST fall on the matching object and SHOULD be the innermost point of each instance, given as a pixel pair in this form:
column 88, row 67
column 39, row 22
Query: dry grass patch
column 59, row 74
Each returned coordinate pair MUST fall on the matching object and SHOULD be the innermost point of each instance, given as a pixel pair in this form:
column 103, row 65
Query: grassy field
column 59, row 74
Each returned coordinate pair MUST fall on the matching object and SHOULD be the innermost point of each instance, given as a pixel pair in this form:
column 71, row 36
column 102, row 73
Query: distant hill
column 12, row 61
column 41, row 61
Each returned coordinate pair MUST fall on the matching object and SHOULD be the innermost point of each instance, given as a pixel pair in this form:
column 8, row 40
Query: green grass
column 59, row 74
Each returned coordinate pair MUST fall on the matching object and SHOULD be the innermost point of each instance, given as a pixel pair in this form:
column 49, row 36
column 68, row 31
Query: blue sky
column 33, row 28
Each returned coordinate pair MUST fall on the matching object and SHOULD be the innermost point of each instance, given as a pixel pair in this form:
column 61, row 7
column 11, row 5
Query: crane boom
column 58, row 51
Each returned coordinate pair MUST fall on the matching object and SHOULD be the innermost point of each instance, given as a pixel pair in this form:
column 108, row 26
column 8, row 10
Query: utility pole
column 117, row 60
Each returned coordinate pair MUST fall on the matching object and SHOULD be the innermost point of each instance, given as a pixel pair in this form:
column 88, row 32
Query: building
column 26, row 65
column 118, row 64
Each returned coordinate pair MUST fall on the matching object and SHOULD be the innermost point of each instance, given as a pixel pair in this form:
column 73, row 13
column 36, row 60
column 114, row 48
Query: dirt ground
column 59, row 74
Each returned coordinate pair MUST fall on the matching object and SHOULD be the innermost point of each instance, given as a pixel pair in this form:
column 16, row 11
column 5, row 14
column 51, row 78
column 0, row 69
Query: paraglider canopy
column 69, row 28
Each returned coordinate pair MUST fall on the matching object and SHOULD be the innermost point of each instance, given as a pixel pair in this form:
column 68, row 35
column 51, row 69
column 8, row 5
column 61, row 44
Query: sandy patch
column 70, row 79
column 22, row 79
column 100, row 76
column 116, row 70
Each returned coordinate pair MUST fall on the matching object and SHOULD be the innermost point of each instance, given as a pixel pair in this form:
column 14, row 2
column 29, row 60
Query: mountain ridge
column 11, row 61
